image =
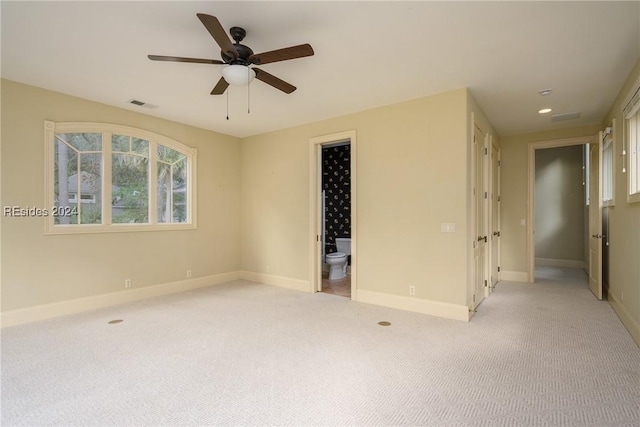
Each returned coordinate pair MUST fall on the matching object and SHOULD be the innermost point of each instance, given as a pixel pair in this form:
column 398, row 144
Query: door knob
column 496, row 233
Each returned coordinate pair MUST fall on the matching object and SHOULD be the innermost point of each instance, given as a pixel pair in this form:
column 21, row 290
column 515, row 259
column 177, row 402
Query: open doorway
column 332, row 214
column 336, row 218
column 558, row 223
column 561, row 215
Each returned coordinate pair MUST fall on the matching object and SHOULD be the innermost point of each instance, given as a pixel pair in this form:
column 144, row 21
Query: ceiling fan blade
column 272, row 80
column 181, row 59
column 218, row 33
column 220, row 87
column 284, row 54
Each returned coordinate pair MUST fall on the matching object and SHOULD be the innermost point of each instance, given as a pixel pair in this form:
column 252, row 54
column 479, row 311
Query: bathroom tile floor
column 340, row 287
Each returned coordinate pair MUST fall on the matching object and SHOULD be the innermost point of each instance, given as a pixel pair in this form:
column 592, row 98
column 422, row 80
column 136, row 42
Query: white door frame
column 479, row 155
column 533, row 146
column 315, row 217
column 494, row 215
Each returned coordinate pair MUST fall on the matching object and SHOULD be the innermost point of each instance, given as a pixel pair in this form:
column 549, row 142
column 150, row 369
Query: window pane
column 65, row 183
column 169, row 155
column 634, row 160
column 179, row 188
column 90, row 207
column 120, row 143
column 140, row 146
column 130, row 189
column 83, row 141
column 607, row 172
column 164, row 196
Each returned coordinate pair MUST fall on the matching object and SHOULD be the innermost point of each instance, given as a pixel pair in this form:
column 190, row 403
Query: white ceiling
column 367, row 54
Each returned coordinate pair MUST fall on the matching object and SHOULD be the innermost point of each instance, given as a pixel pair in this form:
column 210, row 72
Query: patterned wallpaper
column 336, row 181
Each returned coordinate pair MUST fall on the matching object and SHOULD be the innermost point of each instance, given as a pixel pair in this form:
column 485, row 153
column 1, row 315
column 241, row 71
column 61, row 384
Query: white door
column 480, row 205
column 494, row 199
column 595, row 219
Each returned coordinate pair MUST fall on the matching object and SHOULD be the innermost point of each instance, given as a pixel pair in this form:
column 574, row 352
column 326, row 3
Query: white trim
column 556, row 262
column 626, row 318
column 514, row 276
column 632, row 152
column 280, row 281
column 531, row 178
column 635, row 88
column 418, row 305
column 315, row 266
column 79, row 305
column 608, row 143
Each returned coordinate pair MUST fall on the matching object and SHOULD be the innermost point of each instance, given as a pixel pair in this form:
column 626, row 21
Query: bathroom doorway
column 332, row 214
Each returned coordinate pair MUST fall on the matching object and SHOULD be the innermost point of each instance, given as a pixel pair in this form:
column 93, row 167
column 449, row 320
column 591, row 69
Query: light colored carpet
column 249, row 354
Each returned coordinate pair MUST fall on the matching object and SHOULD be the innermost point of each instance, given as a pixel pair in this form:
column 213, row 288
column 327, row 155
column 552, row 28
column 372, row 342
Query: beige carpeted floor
column 249, row 354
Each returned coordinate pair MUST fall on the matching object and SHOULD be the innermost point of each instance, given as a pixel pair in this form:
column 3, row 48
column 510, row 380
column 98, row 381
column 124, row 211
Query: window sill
column 115, row 228
column 608, row 203
column 633, row 198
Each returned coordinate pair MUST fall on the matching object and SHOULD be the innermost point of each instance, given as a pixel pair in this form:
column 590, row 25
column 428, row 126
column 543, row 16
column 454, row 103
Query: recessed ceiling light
column 545, row 111
column 545, row 92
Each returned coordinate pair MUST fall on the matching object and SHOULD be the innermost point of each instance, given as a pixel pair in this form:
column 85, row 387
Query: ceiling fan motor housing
column 244, row 52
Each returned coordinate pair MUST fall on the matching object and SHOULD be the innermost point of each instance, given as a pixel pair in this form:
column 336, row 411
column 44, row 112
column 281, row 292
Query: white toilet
column 338, row 261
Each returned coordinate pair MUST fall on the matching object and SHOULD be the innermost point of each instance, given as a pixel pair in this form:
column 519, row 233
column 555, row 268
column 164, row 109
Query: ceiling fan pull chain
column 228, row 104
column 248, row 91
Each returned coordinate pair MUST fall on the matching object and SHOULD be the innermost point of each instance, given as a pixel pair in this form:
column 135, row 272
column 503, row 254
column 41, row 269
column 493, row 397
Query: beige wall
column 559, row 203
column 624, row 228
column 39, row 269
column 411, row 177
column 514, row 192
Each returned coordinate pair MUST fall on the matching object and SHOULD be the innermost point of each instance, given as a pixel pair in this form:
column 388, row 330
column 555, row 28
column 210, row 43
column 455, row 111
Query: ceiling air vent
column 141, row 103
column 564, row 116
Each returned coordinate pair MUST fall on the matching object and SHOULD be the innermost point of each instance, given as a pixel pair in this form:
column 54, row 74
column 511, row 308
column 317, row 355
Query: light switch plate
column 448, row 227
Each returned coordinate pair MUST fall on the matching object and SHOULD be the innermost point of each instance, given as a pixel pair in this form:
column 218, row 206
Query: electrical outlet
column 127, row 283
column 188, row 274
column 412, row 290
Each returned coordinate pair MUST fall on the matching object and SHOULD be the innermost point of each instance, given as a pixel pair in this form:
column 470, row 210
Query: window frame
column 608, row 146
column 631, row 109
column 107, row 130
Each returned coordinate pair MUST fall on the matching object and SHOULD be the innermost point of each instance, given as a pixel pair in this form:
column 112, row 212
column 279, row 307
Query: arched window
column 103, row 178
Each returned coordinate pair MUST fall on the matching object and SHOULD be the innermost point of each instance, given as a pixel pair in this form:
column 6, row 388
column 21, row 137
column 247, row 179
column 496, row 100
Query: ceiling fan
column 240, row 59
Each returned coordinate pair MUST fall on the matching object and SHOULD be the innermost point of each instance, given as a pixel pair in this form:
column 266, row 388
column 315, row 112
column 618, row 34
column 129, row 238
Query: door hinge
column 474, row 297
column 486, row 151
column 485, row 283
column 498, row 269
column 499, row 163
column 485, row 194
column 498, row 197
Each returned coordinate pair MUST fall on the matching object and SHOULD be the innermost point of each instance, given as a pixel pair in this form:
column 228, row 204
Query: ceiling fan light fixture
column 238, row 75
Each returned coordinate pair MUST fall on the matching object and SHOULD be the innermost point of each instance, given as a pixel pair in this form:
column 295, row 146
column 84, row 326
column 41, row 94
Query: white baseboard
column 553, row 262
column 434, row 308
column 514, row 276
column 63, row 308
column 281, row 281
column 626, row 318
